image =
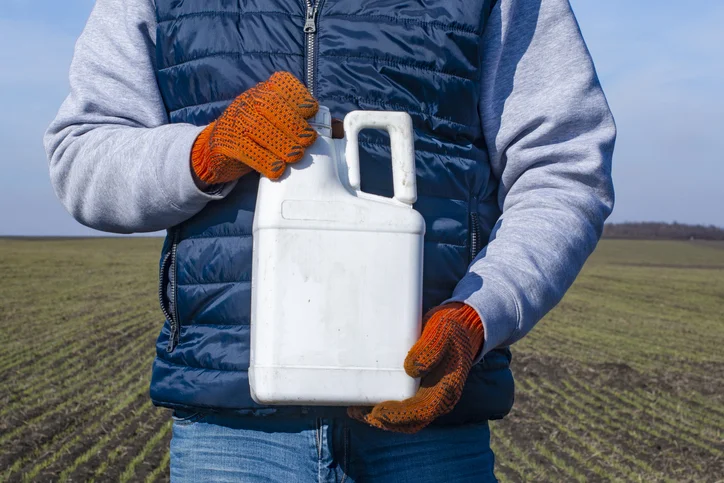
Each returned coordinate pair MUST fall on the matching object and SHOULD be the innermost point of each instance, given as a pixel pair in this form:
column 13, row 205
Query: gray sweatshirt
column 117, row 164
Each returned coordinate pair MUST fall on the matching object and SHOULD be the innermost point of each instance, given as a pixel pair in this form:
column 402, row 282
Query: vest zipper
column 161, row 277
column 310, row 29
column 474, row 235
column 173, row 318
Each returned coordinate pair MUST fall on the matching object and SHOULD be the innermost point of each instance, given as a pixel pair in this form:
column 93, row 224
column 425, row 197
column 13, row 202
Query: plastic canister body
column 337, row 274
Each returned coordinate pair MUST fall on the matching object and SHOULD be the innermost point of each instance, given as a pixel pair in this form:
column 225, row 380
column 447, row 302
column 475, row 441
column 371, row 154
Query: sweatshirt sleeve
column 550, row 136
column 116, row 163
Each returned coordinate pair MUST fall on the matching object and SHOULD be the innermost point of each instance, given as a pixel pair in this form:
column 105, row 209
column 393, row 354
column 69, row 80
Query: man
column 176, row 108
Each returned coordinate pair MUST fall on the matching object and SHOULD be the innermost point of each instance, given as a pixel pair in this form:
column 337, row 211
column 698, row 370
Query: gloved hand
column 451, row 338
column 264, row 129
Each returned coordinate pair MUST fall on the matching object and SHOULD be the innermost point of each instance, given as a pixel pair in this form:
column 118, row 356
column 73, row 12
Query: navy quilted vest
column 418, row 56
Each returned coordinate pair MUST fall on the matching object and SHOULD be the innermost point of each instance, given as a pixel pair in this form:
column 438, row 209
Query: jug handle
column 399, row 126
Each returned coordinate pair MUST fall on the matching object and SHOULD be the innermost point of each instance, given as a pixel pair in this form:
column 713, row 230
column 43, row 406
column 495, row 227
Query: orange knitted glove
column 263, row 129
column 442, row 357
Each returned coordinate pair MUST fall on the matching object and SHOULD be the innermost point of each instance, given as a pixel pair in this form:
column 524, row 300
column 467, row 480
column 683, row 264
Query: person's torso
column 421, row 57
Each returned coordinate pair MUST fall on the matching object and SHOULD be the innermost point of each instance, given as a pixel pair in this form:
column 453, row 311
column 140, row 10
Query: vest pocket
column 167, row 276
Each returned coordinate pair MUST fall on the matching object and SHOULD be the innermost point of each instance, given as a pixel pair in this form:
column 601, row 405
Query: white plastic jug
column 337, row 275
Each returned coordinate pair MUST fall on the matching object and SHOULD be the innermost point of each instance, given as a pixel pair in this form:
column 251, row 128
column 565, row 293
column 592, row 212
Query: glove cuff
column 201, row 156
column 468, row 318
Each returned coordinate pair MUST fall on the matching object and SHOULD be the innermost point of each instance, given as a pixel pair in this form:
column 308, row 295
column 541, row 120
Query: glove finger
column 281, row 144
column 397, row 428
column 418, row 409
column 273, row 111
column 253, row 155
column 364, row 415
column 294, row 92
column 400, row 413
column 359, row 413
column 387, row 418
column 428, row 351
column 438, row 394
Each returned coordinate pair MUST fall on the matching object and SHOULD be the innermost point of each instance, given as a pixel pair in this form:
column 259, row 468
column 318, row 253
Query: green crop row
column 106, row 410
column 91, row 381
column 74, row 367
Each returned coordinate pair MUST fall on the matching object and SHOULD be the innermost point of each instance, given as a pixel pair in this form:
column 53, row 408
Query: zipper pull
column 310, row 26
column 172, row 338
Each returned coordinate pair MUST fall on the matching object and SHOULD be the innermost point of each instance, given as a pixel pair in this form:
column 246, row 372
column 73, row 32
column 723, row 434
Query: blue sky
column 661, row 64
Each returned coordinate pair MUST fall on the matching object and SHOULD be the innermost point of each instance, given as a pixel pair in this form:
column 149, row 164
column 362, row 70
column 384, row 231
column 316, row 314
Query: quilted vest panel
column 422, row 57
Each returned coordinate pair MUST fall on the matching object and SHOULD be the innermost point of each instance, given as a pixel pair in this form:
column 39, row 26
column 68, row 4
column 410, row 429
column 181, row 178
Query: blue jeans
column 213, row 448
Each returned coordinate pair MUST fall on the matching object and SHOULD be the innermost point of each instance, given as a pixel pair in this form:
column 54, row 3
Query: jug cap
column 322, row 121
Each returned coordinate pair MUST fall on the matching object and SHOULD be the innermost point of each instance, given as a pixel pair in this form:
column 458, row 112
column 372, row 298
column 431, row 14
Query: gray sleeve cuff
column 175, row 178
column 495, row 304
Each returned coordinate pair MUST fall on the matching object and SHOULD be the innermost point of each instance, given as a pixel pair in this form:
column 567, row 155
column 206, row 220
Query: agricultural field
column 623, row 381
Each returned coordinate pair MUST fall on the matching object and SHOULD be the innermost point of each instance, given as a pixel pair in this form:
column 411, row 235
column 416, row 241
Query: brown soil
column 669, row 455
